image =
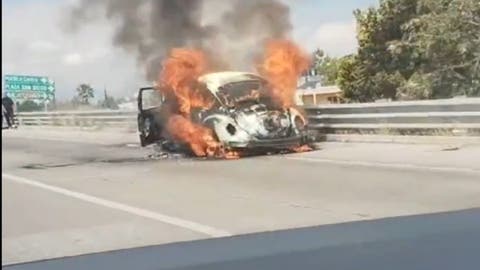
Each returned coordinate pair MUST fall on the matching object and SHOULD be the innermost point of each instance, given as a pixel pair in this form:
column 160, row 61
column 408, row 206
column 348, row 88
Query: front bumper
column 278, row 143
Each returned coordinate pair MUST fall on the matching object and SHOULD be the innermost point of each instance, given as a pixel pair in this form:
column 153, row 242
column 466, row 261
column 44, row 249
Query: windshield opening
column 244, row 93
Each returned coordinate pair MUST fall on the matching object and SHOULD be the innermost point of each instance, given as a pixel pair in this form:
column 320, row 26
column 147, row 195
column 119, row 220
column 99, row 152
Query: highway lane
column 401, row 243
column 63, row 198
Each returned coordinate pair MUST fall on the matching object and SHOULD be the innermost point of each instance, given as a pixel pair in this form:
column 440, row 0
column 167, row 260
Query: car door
column 149, row 122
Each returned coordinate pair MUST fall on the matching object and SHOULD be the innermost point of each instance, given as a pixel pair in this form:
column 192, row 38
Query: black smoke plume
column 231, row 32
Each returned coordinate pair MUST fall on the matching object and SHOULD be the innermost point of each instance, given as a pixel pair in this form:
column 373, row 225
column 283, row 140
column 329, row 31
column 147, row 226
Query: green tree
column 419, row 86
column 326, row 67
column 415, row 49
column 352, row 79
column 29, row 106
column 448, row 39
column 381, row 65
column 84, row 93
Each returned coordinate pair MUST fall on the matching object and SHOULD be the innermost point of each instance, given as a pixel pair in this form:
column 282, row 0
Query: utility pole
column 105, row 92
column 105, row 98
column 45, row 103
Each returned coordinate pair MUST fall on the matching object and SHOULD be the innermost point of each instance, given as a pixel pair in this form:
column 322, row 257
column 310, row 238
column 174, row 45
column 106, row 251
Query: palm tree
column 84, row 93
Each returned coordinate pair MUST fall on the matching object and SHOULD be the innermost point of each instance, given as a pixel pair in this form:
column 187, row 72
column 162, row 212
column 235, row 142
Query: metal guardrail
column 410, row 117
column 100, row 118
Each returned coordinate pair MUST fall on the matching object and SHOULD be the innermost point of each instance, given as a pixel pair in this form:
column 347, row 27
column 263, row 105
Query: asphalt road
column 64, row 198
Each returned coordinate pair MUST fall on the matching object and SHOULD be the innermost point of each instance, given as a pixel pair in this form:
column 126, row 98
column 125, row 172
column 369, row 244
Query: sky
column 33, row 43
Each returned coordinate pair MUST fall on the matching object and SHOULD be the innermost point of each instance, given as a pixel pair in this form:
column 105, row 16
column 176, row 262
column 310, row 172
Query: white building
column 311, row 92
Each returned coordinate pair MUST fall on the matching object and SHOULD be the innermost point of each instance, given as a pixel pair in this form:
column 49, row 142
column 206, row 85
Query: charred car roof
column 215, row 80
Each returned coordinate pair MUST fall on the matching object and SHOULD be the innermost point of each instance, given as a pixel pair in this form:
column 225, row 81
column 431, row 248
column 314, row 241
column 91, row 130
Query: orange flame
column 179, row 79
column 282, row 65
column 199, row 138
column 302, row 148
column 179, row 76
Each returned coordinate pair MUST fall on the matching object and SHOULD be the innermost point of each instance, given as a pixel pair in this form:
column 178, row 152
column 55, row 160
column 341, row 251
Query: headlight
column 231, row 129
column 299, row 122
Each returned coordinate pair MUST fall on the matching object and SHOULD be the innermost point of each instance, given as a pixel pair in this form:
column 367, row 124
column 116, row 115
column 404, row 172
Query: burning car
column 242, row 115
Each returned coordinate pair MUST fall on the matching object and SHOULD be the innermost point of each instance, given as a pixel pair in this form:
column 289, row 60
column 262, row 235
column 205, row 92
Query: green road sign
column 25, row 95
column 14, row 83
column 22, row 87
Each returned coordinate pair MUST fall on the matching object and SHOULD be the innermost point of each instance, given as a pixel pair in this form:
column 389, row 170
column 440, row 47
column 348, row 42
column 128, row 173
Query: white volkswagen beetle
column 243, row 116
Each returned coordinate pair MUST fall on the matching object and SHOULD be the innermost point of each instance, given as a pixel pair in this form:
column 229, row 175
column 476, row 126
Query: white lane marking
column 386, row 165
column 133, row 145
column 186, row 224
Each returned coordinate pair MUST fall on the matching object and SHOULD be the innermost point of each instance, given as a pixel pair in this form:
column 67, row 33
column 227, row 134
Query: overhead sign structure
column 22, row 87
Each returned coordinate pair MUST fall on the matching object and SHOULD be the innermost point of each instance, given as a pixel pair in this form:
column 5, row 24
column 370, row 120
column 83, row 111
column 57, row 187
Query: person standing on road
column 7, row 104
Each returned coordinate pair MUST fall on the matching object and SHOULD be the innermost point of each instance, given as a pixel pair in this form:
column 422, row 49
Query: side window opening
column 151, row 99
